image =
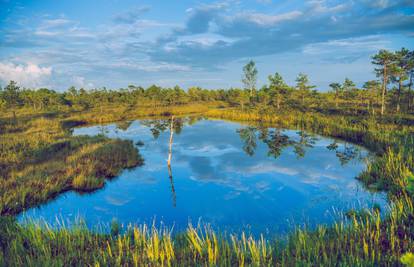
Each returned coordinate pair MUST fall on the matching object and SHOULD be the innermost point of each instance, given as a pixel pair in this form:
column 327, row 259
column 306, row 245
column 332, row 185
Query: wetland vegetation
column 41, row 158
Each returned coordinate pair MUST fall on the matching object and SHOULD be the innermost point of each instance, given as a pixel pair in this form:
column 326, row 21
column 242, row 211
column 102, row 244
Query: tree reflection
column 277, row 141
column 346, row 153
column 305, row 141
column 161, row 125
column 173, row 195
column 123, row 125
column 263, row 132
column 156, row 126
column 174, row 125
column 248, row 136
column 194, row 119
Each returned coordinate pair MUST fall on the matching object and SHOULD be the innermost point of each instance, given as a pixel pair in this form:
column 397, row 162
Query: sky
column 114, row 43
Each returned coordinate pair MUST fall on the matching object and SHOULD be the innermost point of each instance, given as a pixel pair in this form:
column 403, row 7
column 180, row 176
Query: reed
column 370, row 240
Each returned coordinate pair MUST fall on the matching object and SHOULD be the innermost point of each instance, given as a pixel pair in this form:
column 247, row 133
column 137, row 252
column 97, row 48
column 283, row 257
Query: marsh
column 230, row 175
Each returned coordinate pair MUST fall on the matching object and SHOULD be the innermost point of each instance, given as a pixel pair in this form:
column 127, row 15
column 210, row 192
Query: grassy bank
column 365, row 240
column 39, row 152
column 112, row 113
column 391, row 171
column 40, row 159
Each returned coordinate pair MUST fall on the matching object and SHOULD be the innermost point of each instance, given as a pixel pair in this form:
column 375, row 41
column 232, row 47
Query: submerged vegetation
column 39, row 159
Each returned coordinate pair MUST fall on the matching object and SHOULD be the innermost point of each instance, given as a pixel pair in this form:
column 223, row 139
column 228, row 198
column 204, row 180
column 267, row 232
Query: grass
column 39, row 152
column 362, row 241
column 391, row 171
column 107, row 114
column 40, row 159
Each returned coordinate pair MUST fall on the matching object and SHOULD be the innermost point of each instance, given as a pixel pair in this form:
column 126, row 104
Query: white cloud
column 347, row 49
column 151, row 66
column 80, row 82
column 29, row 74
column 268, row 20
column 212, row 150
column 370, row 43
column 132, row 15
column 52, row 23
column 265, row 2
column 268, row 167
column 320, row 7
column 139, row 46
column 55, row 28
column 203, row 40
column 378, row 3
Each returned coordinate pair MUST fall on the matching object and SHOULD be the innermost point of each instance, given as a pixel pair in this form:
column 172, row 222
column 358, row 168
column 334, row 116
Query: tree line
column 392, row 92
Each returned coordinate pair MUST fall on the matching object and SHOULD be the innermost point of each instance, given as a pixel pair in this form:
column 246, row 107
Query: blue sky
column 115, row 43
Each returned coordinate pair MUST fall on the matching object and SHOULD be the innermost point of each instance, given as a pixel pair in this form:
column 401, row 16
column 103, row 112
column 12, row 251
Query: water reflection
column 347, row 153
column 159, row 126
column 123, row 125
column 248, row 136
column 173, row 195
column 277, row 141
column 230, row 175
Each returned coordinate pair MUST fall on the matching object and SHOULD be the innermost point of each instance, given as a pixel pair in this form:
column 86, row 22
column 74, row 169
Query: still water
column 231, row 176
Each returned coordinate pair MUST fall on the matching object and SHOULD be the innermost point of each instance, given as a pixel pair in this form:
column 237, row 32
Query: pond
column 229, row 175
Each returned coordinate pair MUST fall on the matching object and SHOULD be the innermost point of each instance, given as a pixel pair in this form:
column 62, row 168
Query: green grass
column 41, row 159
column 391, row 171
column 362, row 241
column 39, row 152
column 113, row 113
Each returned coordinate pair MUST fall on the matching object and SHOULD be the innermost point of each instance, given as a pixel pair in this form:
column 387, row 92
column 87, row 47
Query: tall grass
column 369, row 240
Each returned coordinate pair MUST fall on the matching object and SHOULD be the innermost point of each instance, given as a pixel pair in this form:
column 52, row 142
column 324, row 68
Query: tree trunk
column 101, row 114
column 384, row 88
column 410, row 100
column 399, row 95
column 303, row 99
column 14, row 119
column 278, row 102
column 171, row 140
column 169, row 162
column 173, row 195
